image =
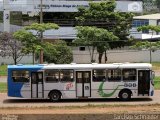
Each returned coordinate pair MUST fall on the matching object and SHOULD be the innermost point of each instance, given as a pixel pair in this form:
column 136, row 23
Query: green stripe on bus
column 103, row 94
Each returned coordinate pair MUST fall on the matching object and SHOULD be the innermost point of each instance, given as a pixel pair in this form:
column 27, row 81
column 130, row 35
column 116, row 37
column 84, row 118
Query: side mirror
column 153, row 75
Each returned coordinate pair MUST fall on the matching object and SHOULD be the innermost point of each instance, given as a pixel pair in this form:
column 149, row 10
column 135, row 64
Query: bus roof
column 21, row 66
column 102, row 66
column 83, row 66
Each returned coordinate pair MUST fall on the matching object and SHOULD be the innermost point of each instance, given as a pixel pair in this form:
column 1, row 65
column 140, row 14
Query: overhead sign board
column 65, row 6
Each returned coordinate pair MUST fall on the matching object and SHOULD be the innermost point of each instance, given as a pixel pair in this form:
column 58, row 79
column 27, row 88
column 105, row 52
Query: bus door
column 143, row 82
column 83, row 83
column 37, row 85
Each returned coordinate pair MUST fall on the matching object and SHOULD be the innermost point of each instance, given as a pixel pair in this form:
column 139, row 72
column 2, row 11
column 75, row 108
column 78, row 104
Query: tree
column 40, row 29
column 96, row 37
column 152, row 46
column 32, row 42
column 149, row 28
column 10, row 47
column 58, row 52
column 103, row 15
column 158, row 4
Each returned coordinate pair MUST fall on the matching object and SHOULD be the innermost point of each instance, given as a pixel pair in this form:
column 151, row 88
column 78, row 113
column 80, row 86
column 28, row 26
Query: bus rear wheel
column 55, row 96
column 125, row 95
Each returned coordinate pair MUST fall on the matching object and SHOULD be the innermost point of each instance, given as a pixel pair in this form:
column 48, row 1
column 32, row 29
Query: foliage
column 41, row 27
column 29, row 40
column 147, row 45
column 10, row 47
column 95, row 37
column 149, row 27
column 158, row 4
column 152, row 46
column 103, row 15
column 32, row 41
column 58, row 52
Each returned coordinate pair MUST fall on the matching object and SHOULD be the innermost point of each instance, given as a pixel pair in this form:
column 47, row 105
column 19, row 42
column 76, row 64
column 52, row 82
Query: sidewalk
column 3, row 78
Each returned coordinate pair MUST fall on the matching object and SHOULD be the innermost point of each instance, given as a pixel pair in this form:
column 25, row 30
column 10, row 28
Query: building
column 152, row 19
column 58, row 8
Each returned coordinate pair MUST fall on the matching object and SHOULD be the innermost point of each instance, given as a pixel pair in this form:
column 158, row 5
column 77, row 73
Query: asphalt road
column 16, row 102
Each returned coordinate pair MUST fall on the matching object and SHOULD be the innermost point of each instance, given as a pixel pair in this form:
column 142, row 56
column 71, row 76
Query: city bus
column 76, row 81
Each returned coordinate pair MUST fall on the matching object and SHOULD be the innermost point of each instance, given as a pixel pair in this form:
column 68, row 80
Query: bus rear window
column 20, row 76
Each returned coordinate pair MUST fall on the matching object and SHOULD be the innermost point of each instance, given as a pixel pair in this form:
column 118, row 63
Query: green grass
column 156, row 65
column 157, row 78
column 3, row 70
column 157, row 83
column 3, row 87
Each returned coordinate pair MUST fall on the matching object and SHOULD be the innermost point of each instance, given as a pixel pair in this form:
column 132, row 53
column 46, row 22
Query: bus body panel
column 67, row 89
column 20, row 89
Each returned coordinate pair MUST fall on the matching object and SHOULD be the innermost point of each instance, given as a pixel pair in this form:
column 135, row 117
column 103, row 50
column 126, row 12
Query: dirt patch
column 147, row 112
column 83, row 110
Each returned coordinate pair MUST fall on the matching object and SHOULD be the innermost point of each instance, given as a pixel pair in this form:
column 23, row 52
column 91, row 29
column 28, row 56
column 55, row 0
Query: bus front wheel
column 55, row 96
column 125, row 95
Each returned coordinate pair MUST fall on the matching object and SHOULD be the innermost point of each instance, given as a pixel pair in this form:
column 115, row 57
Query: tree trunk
column 33, row 55
column 15, row 53
column 15, row 61
column 92, row 55
column 105, row 59
column 100, row 57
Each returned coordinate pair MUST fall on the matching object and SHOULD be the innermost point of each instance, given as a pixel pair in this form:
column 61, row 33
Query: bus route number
column 130, row 85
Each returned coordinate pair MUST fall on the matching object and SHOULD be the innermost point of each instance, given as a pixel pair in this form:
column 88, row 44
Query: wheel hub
column 125, row 95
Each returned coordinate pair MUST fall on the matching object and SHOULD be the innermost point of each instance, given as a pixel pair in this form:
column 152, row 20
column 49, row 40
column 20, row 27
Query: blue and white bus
column 75, row 81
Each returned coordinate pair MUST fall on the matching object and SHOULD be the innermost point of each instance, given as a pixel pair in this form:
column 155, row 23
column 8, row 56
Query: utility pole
column 41, row 34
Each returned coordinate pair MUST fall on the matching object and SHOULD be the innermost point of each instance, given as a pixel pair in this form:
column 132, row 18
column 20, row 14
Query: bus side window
column 51, row 75
column 99, row 75
column 114, row 75
column 66, row 76
column 129, row 74
column 20, row 76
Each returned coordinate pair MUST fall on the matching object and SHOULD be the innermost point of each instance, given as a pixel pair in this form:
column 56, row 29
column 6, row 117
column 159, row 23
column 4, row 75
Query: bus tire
column 125, row 95
column 55, row 95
